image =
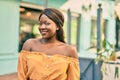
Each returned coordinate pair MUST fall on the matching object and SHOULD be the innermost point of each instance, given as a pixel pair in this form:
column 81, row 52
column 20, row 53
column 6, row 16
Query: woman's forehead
column 44, row 17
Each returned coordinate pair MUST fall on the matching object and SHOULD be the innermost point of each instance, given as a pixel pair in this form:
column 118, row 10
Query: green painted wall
column 9, row 30
column 85, row 32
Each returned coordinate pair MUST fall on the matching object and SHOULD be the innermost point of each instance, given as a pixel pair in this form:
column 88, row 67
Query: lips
column 43, row 32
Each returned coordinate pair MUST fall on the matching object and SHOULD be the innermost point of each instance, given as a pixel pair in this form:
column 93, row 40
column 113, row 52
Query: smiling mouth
column 43, row 32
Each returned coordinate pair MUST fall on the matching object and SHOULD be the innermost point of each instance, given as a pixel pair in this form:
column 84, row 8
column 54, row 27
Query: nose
column 42, row 26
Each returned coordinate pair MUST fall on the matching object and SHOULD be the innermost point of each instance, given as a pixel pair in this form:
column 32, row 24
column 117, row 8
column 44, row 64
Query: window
column 94, row 31
column 28, row 24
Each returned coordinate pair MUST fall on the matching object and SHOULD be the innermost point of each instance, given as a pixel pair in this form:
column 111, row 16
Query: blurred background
column 87, row 22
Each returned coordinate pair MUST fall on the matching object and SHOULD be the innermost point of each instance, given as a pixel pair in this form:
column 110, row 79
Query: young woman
column 49, row 57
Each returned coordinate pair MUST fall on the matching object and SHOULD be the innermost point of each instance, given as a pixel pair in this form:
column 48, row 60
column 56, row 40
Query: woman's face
column 47, row 27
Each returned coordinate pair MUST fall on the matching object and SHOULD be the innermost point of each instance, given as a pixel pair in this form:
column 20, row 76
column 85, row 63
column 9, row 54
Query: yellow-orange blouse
column 39, row 66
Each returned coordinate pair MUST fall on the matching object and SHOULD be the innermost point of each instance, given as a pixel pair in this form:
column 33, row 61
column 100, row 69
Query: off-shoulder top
column 39, row 66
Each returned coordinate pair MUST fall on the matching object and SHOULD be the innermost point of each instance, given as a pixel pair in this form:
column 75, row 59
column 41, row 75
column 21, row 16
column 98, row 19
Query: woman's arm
column 74, row 67
column 73, row 52
column 27, row 45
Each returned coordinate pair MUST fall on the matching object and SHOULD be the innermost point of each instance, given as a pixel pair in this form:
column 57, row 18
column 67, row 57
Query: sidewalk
column 12, row 76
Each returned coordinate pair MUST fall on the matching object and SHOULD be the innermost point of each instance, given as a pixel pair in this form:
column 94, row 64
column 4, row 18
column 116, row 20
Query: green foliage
column 105, row 52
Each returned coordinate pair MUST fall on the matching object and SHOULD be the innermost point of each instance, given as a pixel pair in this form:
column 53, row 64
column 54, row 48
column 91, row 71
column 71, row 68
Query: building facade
column 16, row 21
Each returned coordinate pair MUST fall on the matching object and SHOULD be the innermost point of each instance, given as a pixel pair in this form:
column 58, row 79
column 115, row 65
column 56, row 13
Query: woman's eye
column 47, row 24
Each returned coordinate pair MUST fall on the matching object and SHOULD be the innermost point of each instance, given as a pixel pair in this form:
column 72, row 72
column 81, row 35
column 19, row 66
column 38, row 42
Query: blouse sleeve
column 73, row 70
column 22, row 67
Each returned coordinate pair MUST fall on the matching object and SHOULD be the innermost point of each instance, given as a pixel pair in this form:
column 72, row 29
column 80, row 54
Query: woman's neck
column 45, row 41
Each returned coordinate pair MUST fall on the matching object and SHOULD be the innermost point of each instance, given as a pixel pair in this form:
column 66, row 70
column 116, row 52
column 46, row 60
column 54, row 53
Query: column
column 9, row 30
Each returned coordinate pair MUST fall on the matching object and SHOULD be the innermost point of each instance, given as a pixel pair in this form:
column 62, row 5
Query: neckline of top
column 42, row 53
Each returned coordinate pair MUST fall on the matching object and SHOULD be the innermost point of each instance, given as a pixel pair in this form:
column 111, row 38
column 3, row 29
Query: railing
column 83, row 74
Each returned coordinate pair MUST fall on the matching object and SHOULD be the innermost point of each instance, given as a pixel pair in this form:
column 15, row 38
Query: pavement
column 12, row 76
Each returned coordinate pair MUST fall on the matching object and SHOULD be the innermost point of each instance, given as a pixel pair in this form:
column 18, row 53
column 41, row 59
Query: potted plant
column 106, row 54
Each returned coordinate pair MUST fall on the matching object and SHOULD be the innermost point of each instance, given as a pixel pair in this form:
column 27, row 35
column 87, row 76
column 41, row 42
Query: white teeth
column 43, row 32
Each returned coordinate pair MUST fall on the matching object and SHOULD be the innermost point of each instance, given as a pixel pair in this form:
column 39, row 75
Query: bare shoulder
column 72, row 51
column 28, row 44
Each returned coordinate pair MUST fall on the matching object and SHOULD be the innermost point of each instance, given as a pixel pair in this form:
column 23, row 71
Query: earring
column 57, row 28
